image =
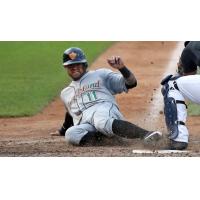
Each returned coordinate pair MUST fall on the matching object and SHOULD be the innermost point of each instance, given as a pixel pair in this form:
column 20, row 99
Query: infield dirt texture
column 150, row 61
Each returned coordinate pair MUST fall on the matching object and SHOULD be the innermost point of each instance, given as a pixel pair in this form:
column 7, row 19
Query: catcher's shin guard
column 170, row 107
column 127, row 129
column 171, row 116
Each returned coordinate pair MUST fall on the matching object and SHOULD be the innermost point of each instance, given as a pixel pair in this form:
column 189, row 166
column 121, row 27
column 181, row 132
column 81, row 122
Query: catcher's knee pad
column 171, row 116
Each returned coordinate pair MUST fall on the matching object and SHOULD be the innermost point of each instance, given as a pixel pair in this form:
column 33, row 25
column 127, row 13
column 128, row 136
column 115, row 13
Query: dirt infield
column 29, row 136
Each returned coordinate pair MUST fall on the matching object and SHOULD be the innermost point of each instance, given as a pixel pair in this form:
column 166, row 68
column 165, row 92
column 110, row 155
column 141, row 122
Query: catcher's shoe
column 152, row 137
column 174, row 145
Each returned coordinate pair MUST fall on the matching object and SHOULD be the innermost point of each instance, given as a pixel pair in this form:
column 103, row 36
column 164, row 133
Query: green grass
column 194, row 109
column 31, row 73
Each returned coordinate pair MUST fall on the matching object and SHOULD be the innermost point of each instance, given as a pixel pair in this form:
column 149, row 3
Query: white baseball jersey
column 189, row 87
column 94, row 87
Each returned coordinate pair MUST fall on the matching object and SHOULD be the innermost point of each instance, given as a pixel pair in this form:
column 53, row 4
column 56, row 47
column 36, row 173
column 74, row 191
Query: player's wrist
column 125, row 72
column 121, row 67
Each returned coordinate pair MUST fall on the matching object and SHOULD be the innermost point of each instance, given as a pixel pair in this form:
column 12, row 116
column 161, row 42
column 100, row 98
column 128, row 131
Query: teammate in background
column 90, row 100
column 184, row 85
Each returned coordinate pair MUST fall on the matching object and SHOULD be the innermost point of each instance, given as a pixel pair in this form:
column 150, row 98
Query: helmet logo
column 72, row 55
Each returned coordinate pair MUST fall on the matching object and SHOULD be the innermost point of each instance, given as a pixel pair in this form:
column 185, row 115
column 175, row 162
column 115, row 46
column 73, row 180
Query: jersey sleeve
column 114, row 81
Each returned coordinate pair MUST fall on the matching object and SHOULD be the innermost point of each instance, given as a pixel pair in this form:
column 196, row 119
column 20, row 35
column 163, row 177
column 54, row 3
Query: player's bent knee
column 70, row 140
column 72, row 137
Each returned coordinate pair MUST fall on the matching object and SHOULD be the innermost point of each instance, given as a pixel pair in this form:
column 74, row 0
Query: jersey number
column 92, row 96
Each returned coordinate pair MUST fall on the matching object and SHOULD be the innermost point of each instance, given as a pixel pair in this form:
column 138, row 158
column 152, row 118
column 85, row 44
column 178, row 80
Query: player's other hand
column 116, row 62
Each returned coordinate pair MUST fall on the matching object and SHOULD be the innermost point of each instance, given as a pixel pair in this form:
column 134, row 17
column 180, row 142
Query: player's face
column 75, row 71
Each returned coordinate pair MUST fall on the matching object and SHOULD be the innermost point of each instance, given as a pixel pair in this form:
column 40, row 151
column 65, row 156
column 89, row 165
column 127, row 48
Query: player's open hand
column 116, row 62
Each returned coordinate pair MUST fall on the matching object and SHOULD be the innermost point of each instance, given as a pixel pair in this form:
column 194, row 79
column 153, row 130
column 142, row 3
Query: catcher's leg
column 175, row 112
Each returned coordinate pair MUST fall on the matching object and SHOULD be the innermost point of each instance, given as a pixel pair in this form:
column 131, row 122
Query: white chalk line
column 138, row 151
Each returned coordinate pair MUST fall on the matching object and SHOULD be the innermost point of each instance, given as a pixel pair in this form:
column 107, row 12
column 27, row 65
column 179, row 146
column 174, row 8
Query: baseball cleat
column 174, row 145
column 152, row 137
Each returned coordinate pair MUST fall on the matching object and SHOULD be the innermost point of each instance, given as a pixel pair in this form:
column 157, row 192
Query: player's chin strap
column 170, row 108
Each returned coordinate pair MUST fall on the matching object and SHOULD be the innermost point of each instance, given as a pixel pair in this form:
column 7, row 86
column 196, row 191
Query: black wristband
column 125, row 72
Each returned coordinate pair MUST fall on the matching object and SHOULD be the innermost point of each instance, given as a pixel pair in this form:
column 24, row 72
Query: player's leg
column 81, row 134
column 129, row 130
column 108, row 120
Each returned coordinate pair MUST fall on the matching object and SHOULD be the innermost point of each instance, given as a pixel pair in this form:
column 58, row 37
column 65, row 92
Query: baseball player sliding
column 90, row 101
column 176, row 89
